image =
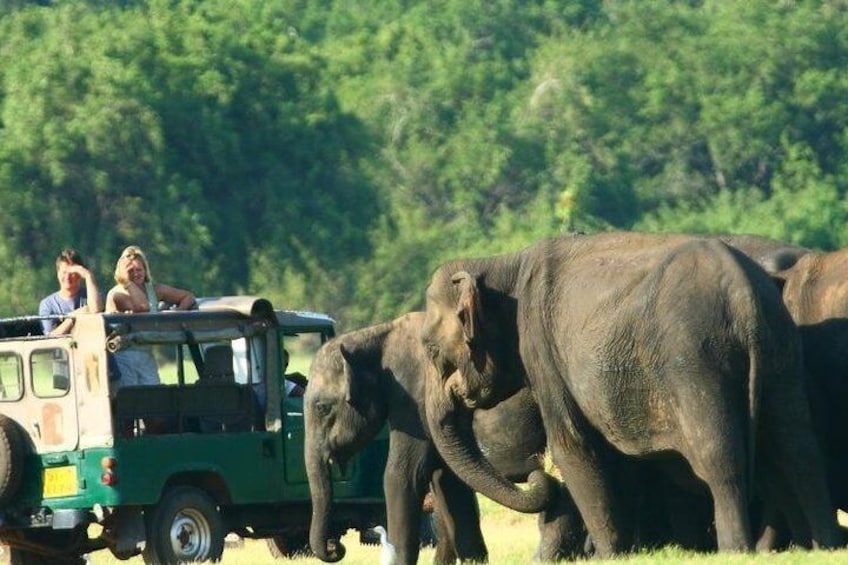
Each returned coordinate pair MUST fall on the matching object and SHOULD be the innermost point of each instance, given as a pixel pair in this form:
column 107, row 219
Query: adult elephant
column 773, row 255
column 365, row 378
column 815, row 291
column 649, row 345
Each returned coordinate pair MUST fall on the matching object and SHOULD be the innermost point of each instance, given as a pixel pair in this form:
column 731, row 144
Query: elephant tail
column 755, row 373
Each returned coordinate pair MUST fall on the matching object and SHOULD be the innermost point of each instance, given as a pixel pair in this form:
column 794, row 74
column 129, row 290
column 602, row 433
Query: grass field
column 511, row 538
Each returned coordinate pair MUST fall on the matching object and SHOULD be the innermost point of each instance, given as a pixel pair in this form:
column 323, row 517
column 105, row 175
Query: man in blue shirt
column 72, row 296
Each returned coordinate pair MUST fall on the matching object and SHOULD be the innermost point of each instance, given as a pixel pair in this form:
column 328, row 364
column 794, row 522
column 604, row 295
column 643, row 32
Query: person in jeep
column 72, row 296
column 136, row 292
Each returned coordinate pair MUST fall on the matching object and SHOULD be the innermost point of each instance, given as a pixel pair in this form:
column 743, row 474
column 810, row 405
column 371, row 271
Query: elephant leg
column 405, row 485
column 461, row 516
column 562, row 533
column 445, row 553
column 673, row 508
column 722, row 468
column 780, row 520
column 689, row 516
column 731, row 514
column 772, row 532
column 794, row 449
column 587, row 477
column 717, row 449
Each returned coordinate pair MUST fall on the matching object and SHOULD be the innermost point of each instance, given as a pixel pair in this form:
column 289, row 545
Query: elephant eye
column 431, row 349
column 323, row 408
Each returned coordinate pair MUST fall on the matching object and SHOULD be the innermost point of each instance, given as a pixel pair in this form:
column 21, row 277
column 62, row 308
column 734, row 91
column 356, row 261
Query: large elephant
column 365, row 378
column 815, row 290
column 772, row 255
column 660, row 346
column 814, row 286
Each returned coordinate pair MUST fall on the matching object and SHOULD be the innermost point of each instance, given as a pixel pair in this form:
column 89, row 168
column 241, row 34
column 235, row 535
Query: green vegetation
column 329, row 154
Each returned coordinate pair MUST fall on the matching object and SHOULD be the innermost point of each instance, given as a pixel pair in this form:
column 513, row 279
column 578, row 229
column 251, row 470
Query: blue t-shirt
column 54, row 304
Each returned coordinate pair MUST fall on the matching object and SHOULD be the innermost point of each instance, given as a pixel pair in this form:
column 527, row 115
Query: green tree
column 199, row 130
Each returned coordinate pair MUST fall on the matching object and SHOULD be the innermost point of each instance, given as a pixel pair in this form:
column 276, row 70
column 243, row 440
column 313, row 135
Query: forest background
column 329, row 154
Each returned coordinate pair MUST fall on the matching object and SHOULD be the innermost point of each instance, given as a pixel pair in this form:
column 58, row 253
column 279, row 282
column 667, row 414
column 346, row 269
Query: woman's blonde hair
column 131, row 253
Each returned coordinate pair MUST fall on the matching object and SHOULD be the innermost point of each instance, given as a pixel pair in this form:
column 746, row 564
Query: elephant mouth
column 457, row 387
column 483, row 400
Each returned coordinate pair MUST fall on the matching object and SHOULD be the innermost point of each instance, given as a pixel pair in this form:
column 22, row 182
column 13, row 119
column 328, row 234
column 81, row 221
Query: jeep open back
column 167, row 470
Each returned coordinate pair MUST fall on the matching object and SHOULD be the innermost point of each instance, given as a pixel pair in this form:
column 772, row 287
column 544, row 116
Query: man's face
column 69, row 278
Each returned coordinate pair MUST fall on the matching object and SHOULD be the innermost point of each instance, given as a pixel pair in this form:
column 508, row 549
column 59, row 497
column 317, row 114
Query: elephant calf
column 365, row 378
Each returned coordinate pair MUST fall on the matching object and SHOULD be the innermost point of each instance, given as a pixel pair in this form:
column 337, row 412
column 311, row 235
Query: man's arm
column 93, row 296
column 94, row 300
column 64, row 327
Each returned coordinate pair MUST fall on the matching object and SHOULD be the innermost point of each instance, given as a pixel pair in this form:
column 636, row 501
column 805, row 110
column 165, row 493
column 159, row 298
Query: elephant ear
column 468, row 307
column 358, row 382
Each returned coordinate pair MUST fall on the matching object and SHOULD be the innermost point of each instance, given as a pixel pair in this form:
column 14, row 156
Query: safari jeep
column 165, row 470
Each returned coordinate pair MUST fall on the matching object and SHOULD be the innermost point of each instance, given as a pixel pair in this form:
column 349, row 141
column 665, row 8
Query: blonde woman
column 135, row 292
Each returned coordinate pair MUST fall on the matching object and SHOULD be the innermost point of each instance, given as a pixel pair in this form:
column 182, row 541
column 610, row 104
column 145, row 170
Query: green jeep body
column 166, row 470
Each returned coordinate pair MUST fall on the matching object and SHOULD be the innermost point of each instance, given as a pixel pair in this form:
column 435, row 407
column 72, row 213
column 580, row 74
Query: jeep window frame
column 19, row 377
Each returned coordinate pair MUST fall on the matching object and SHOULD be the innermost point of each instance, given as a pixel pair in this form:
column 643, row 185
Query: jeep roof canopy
column 219, row 309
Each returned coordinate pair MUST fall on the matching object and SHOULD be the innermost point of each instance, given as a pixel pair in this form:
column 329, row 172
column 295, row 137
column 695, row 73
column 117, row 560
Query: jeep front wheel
column 185, row 527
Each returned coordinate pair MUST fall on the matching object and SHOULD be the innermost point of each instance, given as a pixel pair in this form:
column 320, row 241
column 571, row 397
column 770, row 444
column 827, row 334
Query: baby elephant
column 363, row 379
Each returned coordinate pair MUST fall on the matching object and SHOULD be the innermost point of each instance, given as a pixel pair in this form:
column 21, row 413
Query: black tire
column 285, row 547
column 20, row 557
column 11, row 458
column 62, row 545
column 185, row 526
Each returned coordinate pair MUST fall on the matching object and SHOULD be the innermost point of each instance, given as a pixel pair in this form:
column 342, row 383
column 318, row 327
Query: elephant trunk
column 452, row 434
column 320, row 486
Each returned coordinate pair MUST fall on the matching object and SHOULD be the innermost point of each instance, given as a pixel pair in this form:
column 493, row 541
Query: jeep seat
column 218, row 363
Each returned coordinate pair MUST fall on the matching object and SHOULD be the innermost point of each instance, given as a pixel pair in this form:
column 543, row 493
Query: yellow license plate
column 60, row 481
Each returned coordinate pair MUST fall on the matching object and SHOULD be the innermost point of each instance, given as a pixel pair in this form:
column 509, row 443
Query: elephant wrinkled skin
column 364, row 378
column 634, row 343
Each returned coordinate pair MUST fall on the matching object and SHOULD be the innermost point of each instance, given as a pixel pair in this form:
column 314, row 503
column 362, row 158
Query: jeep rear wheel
column 11, row 458
column 185, row 527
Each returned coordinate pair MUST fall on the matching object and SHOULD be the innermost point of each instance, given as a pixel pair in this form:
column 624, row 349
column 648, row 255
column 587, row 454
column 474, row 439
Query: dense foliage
column 330, row 153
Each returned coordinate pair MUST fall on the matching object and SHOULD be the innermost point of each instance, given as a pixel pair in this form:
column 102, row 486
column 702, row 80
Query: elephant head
column 816, row 289
column 476, row 364
column 471, row 347
column 342, row 412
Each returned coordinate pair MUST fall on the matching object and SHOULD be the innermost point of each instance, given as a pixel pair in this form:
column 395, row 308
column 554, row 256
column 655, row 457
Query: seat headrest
column 218, row 362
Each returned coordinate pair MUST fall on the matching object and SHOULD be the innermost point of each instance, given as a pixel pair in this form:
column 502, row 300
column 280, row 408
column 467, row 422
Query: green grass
column 511, row 538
